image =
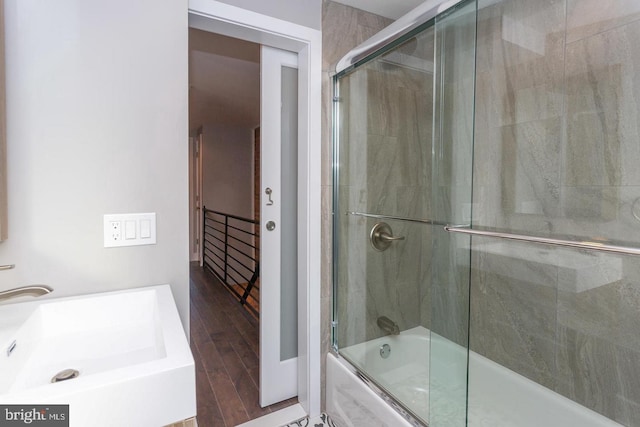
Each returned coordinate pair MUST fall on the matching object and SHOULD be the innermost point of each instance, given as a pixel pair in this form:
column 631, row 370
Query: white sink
column 134, row 362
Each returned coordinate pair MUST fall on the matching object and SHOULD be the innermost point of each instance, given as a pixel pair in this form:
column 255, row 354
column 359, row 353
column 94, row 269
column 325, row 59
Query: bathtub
column 129, row 348
column 498, row 397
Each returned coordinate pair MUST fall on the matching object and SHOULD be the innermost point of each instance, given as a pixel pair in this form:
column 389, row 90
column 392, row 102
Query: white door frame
column 221, row 18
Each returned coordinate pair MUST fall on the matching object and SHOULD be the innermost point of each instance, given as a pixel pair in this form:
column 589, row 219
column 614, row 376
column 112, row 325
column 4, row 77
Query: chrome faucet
column 388, row 325
column 32, row 290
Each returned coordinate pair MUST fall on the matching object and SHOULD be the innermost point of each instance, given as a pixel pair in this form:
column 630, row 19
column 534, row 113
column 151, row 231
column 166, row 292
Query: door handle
column 268, row 192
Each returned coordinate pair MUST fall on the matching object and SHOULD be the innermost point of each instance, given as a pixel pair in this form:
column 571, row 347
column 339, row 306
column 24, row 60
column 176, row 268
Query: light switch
column 130, row 229
column 145, row 229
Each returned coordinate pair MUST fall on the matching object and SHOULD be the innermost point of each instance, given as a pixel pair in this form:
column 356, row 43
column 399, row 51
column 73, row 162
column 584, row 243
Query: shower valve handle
column 381, row 236
column 388, row 238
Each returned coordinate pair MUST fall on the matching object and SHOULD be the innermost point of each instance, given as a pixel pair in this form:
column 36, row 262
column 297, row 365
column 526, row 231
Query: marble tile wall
column 385, row 159
column 452, row 172
column 556, row 153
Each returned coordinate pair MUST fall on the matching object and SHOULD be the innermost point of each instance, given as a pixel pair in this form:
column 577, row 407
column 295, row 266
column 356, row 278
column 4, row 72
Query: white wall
column 97, row 123
column 227, row 166
column 302, row 12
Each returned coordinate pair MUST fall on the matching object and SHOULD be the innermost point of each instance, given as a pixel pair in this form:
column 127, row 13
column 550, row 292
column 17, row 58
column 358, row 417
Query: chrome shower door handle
column 381, row 236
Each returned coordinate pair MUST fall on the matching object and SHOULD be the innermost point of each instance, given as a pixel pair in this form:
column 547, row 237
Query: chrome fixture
column 381, row 237
column 7, row 267
column 385, row 351
column 398, row 218
column 33, row 290
column 67, row 374
column 388, row 325
column 11, row 347
column 268, row 192
column 595, row 246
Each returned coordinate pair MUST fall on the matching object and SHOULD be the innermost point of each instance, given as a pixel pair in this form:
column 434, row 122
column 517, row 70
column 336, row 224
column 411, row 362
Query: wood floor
column 225, row 346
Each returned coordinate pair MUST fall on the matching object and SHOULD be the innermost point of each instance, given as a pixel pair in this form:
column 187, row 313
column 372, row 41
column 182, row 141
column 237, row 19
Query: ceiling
column 224, row 73
column 224, row 81
column 392, row 9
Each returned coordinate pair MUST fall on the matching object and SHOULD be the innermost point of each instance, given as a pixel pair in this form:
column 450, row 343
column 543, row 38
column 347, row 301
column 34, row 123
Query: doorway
column 224, row 114
column 231, row 21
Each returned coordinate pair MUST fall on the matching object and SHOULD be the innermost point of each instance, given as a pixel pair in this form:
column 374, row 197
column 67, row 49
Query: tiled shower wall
column 385, row 168
column 557, row 152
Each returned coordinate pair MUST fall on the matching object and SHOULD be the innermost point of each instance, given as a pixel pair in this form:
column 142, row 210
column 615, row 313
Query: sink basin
column 129, row 348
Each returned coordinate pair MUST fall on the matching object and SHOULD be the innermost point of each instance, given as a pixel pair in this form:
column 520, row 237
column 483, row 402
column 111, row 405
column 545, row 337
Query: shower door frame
column 414, row 23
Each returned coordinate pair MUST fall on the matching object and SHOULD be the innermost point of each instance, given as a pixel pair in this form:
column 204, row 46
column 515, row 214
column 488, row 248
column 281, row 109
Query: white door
column 278, row 226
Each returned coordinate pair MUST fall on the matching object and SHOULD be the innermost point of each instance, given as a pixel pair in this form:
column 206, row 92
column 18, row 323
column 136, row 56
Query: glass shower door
column 402, row 171
column 451, row 205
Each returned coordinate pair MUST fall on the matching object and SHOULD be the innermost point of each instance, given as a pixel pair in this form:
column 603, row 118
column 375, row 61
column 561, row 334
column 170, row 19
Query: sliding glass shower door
column 403, row 168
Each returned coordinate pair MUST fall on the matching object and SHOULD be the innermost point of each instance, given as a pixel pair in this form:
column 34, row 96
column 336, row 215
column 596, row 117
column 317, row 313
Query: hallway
column 225, row 346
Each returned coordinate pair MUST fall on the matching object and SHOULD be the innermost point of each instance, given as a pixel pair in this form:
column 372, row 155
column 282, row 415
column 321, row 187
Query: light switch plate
column 129, row 229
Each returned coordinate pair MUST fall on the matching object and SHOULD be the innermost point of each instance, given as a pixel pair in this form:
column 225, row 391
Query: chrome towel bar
column 577, row 244
column 397, row 218
column 596, row 246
